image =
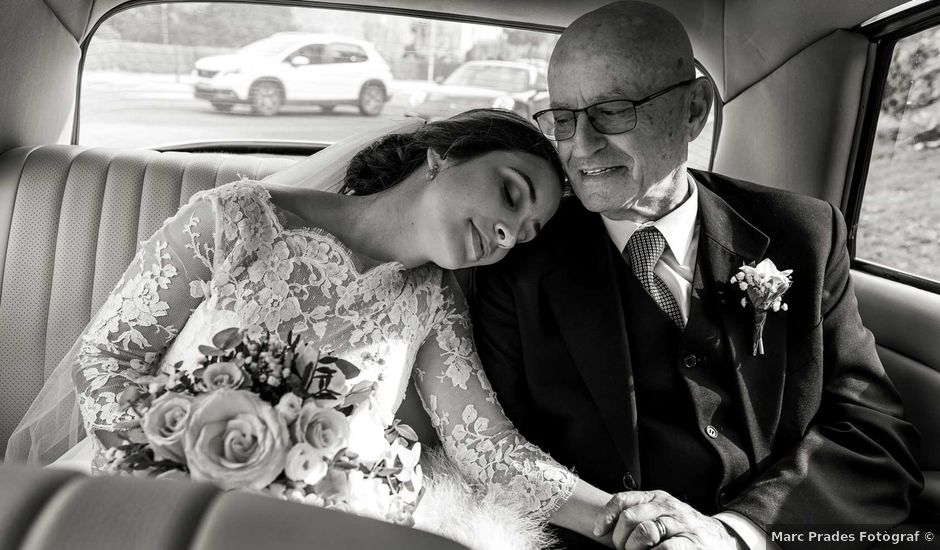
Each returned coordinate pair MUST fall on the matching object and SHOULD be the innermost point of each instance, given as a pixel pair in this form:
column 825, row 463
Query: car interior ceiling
column 792, row 92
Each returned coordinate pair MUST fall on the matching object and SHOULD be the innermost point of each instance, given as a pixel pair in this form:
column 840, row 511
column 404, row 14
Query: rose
column 226, row 374
column 235, row 440
column 334, row 485
column 289, row 406
column 165, row 424
column 326, row 430
column 367, row 436
column 368, row 496
column 305, row 463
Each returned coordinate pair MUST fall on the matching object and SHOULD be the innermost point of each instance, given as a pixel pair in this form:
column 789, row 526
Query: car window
column 315, row 53
column 899, row 221
column 346, row 53
column 156, row 75
column 509, row 79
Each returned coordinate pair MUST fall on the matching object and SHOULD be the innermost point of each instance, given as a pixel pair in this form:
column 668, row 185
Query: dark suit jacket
column 824, row 424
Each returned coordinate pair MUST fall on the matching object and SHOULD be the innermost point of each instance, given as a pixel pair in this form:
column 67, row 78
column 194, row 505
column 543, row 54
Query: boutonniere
column 765, row 286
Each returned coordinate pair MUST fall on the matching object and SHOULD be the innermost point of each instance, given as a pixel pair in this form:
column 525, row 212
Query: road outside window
column 899, row 225
column 174, row 73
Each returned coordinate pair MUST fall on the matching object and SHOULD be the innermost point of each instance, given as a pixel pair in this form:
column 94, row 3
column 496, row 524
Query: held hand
column 647, row 519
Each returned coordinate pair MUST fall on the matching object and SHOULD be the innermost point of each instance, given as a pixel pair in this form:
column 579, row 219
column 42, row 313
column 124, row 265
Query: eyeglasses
column 614, row 116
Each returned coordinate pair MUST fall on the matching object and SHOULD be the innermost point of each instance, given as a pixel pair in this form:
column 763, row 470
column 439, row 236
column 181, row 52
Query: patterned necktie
column 642, row 252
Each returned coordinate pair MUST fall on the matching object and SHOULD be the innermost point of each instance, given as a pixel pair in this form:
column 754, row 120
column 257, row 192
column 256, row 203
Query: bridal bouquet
column 275, row 417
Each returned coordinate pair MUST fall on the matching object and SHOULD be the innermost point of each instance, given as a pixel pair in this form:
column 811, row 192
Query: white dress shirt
column 676, row 267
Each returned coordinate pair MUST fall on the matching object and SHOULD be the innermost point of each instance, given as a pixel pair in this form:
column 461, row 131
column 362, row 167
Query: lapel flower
column 765, row 286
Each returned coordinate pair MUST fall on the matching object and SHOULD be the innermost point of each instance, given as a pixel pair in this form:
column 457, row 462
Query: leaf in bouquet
column 328, row 360
column 387, row 472
column 325, row 393
column 227, row 338
column 325, row 370
column 346, row 465
column 356, row 398
column 209, row 351
column 364, row 386
column 348, row 369
column 128, row 397
column 406, row 431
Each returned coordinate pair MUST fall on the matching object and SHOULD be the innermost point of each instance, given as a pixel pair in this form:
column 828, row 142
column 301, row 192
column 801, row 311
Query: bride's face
column 482, row 207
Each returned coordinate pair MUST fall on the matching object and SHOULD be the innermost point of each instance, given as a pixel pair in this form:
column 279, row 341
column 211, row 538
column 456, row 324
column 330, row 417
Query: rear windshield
column 159, row 75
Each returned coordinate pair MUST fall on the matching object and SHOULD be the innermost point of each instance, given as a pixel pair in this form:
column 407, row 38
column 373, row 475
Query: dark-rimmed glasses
column 613, row 116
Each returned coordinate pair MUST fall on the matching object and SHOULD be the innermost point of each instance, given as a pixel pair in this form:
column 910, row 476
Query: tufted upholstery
column 70, row 221
column 52, row 509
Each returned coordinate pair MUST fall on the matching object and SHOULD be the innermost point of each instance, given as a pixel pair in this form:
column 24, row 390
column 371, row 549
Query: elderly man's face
column 610, row 171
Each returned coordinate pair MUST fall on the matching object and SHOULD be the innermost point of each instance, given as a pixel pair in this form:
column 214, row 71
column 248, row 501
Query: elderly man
column 617, row 341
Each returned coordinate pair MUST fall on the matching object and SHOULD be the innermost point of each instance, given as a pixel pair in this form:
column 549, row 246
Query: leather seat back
column 70, row 222
column 46, row 509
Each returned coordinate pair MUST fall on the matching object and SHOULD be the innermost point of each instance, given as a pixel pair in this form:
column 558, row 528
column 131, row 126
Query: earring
column 432, row 172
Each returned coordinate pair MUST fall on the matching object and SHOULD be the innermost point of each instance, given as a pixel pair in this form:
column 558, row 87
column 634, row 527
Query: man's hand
column 638, row 519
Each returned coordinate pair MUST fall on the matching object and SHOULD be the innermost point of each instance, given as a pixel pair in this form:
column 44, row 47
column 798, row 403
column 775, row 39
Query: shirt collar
column 678, row 226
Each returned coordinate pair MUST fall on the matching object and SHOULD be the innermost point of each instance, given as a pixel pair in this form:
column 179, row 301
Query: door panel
column 906, row 324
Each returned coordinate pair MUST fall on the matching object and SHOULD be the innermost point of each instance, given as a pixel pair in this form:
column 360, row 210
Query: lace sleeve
column 470, row 422
column 146, row 310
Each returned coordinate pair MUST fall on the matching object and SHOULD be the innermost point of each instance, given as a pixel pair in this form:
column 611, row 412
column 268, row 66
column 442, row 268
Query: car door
column 304, row 73
column 345, row 71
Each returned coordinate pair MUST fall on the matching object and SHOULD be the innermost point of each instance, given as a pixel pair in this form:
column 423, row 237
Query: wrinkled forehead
column 581, row 79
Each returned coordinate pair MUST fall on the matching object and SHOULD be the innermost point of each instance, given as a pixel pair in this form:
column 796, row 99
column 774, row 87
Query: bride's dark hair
column 392, row 158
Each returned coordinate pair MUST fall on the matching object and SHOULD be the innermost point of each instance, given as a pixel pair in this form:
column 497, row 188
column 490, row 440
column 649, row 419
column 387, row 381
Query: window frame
column 717, row 105
column 883, row 36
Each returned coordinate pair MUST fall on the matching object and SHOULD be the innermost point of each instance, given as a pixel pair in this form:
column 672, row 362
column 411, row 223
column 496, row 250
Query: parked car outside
column 293, row 68
column 515, row 86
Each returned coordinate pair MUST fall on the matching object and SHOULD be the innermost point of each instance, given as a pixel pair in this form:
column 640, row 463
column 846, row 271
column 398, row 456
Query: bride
column 362, row 272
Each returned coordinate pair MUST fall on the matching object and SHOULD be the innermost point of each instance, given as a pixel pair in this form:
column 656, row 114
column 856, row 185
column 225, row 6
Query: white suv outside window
column 296, row 68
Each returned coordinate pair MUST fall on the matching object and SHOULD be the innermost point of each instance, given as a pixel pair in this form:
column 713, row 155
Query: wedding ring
column 661, row 528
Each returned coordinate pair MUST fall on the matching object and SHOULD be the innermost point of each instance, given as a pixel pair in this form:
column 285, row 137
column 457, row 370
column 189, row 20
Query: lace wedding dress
column 227, row 259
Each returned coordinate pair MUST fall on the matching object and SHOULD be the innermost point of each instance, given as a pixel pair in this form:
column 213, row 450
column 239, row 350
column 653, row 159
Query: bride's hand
column 580, row 512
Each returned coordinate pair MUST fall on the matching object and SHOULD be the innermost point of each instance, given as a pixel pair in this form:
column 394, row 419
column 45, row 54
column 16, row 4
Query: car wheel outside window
column 266, row 98
column 371, row 99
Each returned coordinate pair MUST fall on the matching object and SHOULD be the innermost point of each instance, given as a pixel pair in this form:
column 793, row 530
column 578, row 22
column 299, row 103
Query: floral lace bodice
column 228, row 256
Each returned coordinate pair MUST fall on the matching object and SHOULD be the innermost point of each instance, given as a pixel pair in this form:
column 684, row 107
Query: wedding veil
column 52, row 424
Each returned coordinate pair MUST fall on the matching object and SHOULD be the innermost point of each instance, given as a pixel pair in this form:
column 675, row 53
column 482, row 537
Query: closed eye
column 508, row 195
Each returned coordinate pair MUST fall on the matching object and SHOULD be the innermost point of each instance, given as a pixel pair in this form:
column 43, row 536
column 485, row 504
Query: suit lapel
column 729, row 241
column 585, row 299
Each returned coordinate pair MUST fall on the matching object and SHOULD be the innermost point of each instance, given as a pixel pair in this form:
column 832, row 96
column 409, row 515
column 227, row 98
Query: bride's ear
column 435, row 160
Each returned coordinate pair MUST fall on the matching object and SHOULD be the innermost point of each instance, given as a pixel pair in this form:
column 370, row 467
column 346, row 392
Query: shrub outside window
column 899, row 223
